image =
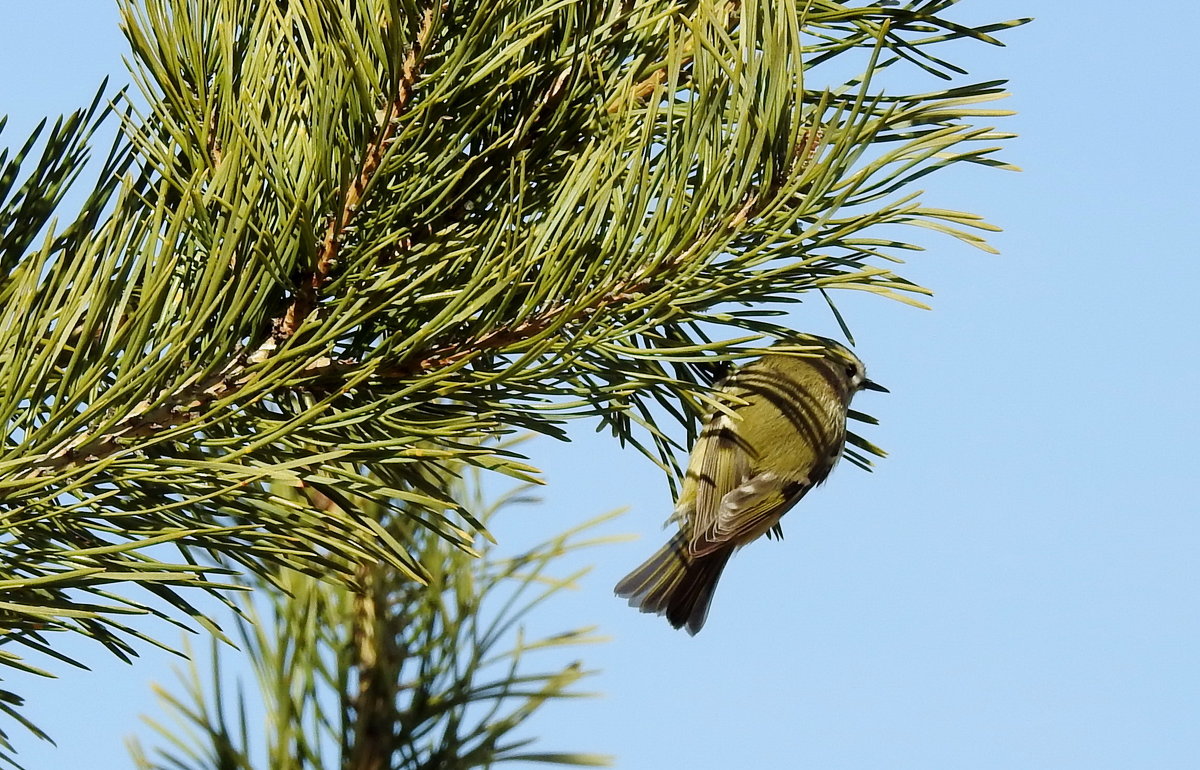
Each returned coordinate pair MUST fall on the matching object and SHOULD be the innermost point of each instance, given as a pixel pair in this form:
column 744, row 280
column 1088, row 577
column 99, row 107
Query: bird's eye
column 851, row 371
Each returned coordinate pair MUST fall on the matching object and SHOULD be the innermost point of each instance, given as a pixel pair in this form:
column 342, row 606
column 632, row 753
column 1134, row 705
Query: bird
column 780, row 435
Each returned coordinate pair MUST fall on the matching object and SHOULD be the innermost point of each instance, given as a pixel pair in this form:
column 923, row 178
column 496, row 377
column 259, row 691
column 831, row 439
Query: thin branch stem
column 309, row 288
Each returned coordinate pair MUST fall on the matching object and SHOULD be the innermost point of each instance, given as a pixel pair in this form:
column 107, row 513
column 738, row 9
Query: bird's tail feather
column 675, row 583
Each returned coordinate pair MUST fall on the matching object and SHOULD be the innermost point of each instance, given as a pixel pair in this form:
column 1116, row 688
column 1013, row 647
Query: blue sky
column 1015, row 586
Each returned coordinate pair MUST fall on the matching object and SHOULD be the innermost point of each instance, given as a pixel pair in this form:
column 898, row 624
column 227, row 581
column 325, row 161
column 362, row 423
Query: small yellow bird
column 787, row 431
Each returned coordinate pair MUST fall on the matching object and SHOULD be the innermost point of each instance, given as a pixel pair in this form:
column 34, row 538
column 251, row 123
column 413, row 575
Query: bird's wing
column 748, row 512
column 721, row 463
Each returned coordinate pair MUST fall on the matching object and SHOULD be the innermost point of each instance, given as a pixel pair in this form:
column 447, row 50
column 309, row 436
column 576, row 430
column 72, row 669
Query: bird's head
column 853, row 367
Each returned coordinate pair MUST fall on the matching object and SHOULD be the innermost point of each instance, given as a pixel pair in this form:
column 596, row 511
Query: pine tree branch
column 189, row 404
column 310, row 285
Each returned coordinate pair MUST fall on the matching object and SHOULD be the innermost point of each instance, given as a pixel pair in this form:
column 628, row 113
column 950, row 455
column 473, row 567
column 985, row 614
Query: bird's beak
column 868, row 385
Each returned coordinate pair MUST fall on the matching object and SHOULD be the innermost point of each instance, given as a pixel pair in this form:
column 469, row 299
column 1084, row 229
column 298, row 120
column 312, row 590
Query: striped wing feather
column 747, row 513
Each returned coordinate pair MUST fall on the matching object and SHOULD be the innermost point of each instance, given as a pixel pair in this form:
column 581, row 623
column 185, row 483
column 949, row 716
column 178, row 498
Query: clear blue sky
column 1016, row 586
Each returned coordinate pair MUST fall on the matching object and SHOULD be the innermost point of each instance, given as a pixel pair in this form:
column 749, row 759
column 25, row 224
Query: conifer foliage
column 339, row 247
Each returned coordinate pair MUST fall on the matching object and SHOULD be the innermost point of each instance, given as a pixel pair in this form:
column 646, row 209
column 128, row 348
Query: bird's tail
column 675, row 583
